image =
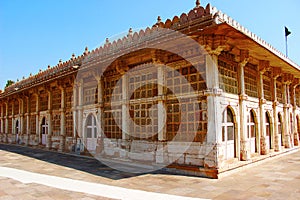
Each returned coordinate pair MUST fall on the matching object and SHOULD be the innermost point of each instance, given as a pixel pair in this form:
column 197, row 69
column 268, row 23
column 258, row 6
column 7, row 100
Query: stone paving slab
column 274, row 178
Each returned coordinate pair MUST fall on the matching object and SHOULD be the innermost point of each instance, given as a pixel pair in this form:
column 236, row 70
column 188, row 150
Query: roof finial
column 86, row 51
column 106, row 41
column 197, row 3
column 158, row 19
column 129, row 32
column 73, row 56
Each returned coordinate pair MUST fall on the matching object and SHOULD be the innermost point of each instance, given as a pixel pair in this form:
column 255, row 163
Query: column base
column 264, row 150
column 245, row 151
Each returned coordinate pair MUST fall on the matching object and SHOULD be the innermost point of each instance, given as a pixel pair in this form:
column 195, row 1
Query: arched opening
column 251, row 131
column 268, row 131
column 17, row 129
column 228, row 134
column 44, row 131
column 298, row 126
column 90, row 136
column 280, row 127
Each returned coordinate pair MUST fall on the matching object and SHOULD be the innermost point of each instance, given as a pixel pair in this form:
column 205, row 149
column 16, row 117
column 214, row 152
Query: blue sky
column 37, row 33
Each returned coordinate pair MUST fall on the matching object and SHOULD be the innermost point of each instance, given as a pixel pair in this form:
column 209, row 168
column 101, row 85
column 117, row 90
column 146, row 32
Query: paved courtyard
column 27, row 173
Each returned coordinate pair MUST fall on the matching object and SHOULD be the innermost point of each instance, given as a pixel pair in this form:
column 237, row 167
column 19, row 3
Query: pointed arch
column 229, row 133
column 90, row 132
column 252, row 131
column 269, row 130
column 280, row 128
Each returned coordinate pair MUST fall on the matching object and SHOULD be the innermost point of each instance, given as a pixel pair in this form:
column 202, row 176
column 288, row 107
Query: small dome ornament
column 129, row 32
column 106, row 41
column 86, row 51
column 197, row 3
column 158, row 20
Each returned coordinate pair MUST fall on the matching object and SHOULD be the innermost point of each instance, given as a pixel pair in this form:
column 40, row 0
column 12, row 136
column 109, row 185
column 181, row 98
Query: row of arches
column 230, row 131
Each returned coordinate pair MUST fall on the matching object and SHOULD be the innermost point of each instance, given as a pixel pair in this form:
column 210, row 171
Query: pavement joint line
column 86, row 187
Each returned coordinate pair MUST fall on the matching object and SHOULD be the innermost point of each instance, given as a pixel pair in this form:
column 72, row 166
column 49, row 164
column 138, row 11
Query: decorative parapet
column 186, row 20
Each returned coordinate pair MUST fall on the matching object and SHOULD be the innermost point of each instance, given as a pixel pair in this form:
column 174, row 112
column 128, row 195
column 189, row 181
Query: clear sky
column 37, row 33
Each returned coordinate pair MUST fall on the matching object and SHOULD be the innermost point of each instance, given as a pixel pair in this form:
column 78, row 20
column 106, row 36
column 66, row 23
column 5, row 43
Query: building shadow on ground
column 83, row 163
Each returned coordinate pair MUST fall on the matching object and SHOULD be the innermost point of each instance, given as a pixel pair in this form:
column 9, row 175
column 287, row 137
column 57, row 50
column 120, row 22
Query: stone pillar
column 244, row 144
column 294, row 102
column 80, row 111
column 49, row 117
column 2, row 121
column 75, row 116
column 100, row 146
column 27, row 120
column 276, row 74
column 214, row 112
column 286, row 113
column 263, row 66
column 125, row 109
column 62, row 120
column 6, row 119
column 161, row 118
column 37, row 121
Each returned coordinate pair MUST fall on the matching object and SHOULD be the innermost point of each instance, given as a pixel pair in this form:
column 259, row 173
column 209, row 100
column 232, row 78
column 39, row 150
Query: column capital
column 276, row 72
column 287, row 78
column 263, row 66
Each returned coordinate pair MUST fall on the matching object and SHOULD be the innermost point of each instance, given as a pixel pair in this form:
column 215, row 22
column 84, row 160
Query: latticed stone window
column 43, row 101
column 33, row 104
column 250, row 73
column 56, row 99
column 279, row 89
column 113, row 121
column 32, row 124
column 113, row 89
column 267, row 77
column 56, row 124
column 90, row 96
column 228, row 76
column 16, row 107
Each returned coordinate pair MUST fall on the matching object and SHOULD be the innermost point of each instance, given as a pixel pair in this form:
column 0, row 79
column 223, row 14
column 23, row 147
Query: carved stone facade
column 225, row 104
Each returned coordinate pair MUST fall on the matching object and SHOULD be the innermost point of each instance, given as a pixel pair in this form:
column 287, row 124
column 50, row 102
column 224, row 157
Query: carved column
column 38, row 128
column 100, row 135
column 125, row 104
column 27, row 121
column 49, row 135
column 264, row 149
column 276, row 74
column 80, row 109
column 62, row 120
column 2, row 121
column 294, row 103
column 6, row 122
column 286, row 111
column 162, row 131
column 214, row 121
column 244, row 144
column 75, row 115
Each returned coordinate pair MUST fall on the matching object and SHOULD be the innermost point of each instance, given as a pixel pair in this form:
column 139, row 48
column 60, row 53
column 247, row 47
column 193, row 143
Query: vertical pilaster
column 2, row 121
column 262, row 67
column 6, row 118
column 49, row 117
column 100, row 146
column 74, row 108
column 294, row 103
column 244, row 144
column 37, row 121
column 277, row 140
column 62, row 119
column 80, row 111
column 162, row 131
column 286, row 112
column 125, row 104
column 214, row 112
column 27, row 121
